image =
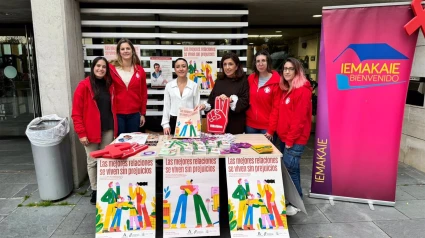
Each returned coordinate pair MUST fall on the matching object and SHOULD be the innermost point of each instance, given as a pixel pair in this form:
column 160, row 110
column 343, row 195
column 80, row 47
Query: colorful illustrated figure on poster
column 186, row 190
column 256, row 208
column 270, row 194
column 249, row 216
column 209, row 82
column 139, row 194
column 110, row 197
column 203, row 76
column 135, row 205
column 182, row 206
column 241, row 194
column 135, row 218
column 202, row 68
column 248, row 201
column 265, row 213
column 191, row 184
column 188, row 124
column 184, row 130
column 122, row 204
column 116, row 222
column 199, row 205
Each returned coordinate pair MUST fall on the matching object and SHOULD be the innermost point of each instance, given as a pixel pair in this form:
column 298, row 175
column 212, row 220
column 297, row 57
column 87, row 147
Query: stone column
column 59, row 52
column 412, row 147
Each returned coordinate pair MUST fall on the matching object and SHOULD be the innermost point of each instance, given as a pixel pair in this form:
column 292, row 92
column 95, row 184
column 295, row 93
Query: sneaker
column 93, row 197
column 291, row 210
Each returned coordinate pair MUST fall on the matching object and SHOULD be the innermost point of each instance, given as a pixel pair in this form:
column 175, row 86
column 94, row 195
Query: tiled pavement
column 17, row 176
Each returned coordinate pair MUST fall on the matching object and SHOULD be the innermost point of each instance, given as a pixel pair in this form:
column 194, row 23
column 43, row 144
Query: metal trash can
column 51, row 151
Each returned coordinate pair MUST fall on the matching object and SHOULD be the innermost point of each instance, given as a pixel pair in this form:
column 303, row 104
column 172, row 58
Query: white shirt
column 125, row 75
column 173, row 101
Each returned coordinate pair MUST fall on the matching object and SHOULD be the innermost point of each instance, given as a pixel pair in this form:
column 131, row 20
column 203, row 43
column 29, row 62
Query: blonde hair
column 118, row 61
column 299, row 79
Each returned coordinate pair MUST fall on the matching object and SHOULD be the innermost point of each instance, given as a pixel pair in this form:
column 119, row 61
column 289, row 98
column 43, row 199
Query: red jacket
column 86, row 115
column 295, row 114
column 264, row 103
column 134, row 98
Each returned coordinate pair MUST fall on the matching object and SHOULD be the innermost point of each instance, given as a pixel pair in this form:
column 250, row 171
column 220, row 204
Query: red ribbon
column 418, row 21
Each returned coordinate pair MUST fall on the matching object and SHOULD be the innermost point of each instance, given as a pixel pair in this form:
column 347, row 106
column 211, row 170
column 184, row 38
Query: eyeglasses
column 289, row 69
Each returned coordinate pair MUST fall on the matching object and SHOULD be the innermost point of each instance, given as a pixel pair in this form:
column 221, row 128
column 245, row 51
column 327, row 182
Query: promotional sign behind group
column 202, row 66
column 365, row 62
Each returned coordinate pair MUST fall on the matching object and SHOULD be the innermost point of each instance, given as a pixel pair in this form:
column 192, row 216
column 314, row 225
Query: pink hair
column 299, row 79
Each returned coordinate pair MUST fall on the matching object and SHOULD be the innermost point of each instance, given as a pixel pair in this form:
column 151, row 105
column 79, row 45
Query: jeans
column 250, row 130
column 291, row 159
column 128, row 123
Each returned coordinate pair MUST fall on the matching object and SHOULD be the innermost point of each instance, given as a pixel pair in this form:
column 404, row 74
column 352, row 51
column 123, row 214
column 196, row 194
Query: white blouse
column 173, row 101
column 125, row 75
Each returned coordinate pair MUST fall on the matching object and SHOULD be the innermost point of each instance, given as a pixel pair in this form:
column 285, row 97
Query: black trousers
column 173, row 122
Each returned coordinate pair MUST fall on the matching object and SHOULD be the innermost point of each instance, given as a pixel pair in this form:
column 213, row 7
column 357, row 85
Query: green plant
column 260, row 223
column 47, row 204
column 232, row 215
column 99, row 221
column 82, row 193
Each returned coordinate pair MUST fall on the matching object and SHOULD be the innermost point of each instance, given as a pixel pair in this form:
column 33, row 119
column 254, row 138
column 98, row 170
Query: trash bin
column 51, row 151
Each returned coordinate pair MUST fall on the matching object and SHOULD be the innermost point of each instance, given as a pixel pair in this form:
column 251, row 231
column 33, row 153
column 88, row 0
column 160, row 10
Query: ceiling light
column 278, row 31
column 266, row 36
column 178, row 43
column 251, row 43
column 317, row 15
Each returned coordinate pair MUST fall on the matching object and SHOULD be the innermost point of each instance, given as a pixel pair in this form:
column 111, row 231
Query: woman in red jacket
column 295, row 112
column 264, row 96
column 129, row 80
column 94, row 119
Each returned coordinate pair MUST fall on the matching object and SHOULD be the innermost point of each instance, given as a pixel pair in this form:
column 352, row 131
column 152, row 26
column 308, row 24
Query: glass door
column 18, row 106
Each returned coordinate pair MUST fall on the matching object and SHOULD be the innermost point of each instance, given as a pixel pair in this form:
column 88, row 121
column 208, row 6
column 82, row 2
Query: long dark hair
column 268, row 59
column 239, row 73
column 134, row 60
column 107, row 77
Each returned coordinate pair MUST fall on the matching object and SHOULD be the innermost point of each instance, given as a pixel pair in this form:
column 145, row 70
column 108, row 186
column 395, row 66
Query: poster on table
column 202, row 62
column 125, row 204
column 110, row 51
column 161, row 71
column 191, row 196
column 188, row 124
column 256, row 196
column 365, row 62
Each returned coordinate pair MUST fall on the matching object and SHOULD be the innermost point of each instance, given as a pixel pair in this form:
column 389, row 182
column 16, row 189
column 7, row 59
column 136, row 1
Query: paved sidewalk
column 74, row 217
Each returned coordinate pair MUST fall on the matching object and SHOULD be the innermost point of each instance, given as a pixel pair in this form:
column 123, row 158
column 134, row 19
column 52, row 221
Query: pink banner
column 365, row 62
